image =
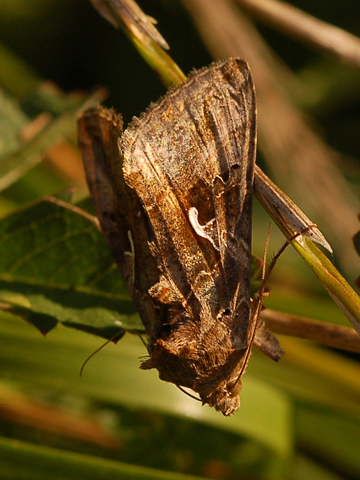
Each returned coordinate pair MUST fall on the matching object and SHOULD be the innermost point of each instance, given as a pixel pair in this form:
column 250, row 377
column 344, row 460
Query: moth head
column 225, row 398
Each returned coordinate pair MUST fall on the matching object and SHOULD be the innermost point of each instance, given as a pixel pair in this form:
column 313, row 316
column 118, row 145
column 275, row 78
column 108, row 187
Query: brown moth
column 173, row 194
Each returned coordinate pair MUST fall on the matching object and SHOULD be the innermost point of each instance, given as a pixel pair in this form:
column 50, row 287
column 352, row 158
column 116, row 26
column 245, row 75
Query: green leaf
column 306, row 468
column 59, row 112
column 16, row 76
column 22, row 460
column 305, row 366
column 329, row 436
column 12, row 121
column 28, row 154
column 113, row 376
column 56, row 267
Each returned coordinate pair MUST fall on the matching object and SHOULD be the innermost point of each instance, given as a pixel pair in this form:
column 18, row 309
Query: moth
column 173, row 194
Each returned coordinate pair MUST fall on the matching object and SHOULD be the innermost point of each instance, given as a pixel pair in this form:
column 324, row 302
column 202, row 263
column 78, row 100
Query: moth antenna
column 256, row 306
column 98, row 350
column 258, row 297
column 142, row 339
column 281, row 251
column 188, row 394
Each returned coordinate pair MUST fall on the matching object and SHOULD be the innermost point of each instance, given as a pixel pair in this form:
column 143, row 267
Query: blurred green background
column 299, row 418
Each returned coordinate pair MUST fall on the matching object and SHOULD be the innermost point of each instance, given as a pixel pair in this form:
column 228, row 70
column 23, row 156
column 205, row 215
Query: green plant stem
column 335, row 284
column 168, row 71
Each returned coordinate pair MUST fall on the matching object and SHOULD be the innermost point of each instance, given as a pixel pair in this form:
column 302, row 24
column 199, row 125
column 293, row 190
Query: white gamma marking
column 132, row 253
column 193, row 217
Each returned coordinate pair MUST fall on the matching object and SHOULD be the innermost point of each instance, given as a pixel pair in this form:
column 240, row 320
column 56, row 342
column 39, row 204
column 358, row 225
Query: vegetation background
column 298, row 419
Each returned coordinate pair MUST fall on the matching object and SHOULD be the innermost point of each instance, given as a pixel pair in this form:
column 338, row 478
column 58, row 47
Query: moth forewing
column 175, row 203
column 119, row 210
column 190, row 159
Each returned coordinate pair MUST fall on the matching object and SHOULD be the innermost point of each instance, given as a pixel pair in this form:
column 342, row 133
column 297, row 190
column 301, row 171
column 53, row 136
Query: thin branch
column 325, row 333
column 306, row 28
column 73, row 208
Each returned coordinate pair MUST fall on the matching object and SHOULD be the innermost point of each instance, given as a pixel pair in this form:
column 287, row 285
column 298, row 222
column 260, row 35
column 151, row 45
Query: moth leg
column 264, row 340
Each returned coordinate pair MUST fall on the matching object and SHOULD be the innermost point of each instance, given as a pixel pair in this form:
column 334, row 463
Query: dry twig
column 336, row 336
column 306, row 28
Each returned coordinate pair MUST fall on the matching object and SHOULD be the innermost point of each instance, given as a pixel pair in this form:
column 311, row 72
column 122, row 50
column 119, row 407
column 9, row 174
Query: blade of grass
column 25, row 461
column 264, row 417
